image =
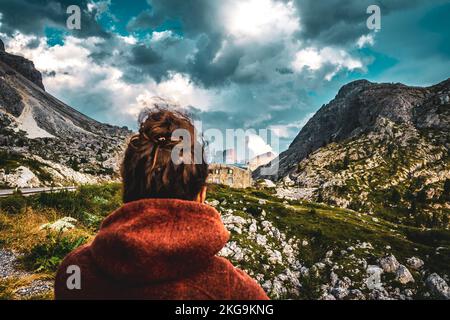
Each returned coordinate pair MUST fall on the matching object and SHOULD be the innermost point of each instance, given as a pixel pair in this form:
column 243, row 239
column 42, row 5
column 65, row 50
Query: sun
column 258, row 18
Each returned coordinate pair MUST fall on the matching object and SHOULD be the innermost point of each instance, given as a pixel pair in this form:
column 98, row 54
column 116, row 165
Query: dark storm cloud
column 199, row 21
column 325, row 23
column 255, row 82
column 195, row 16
column 144, row 56
column 340, row 22
column 144, row 62
column 32, row 16
column 210, row 74
column 33, row 43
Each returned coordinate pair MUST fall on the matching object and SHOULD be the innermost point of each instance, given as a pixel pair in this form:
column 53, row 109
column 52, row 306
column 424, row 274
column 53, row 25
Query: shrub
column 262, row 194
column 13, row 204
column 429, row 237
column 394, row 196
column 47, row 256
column 92, row 221
column 280, row 210
column 254, row 210
column 65, row 201
column 446, row 192
column 96, row 199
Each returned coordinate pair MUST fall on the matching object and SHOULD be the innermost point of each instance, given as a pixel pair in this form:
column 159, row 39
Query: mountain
column 381, row 148
column 44, row 141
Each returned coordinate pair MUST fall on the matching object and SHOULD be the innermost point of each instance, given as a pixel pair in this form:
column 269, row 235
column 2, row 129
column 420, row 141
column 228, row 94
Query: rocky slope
column 294, row 249
column 302, row 250
column 380, row 148
column 48, row 140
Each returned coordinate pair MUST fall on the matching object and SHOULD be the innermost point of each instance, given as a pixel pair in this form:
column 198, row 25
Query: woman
column 162, row 243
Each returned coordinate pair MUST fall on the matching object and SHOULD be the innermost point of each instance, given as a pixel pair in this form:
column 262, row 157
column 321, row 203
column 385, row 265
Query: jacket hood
column 158, row 239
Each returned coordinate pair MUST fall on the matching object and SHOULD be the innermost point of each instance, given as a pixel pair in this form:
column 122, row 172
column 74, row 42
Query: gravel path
column 8, row 264
column 36, row 287
column 8, row 268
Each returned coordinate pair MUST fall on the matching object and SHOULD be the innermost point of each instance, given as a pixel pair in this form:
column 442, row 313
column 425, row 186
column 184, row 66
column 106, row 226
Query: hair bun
column 148, row 170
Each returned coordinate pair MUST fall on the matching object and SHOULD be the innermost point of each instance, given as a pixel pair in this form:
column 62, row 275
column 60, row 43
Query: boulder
column 268, row 183
column 340, row 289
column 415, row 263
column 365, row 245
column 389, row 263
column 438, row 285
column 379, row 294
column 373, row 281
column 356, row 294
column 21, row 177
column 333, row 278
column 213, row 203
column 287, row 181
column 403, row 275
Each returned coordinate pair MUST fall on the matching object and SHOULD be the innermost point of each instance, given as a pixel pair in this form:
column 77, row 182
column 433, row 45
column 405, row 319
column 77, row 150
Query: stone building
column 230, row 175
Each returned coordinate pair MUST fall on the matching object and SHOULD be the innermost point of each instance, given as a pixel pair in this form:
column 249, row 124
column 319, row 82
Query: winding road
column 31, row 191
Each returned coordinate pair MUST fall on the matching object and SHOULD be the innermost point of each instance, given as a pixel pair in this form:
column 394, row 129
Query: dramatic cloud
column 32, row 17
column 260, row 20
column 314, row 60
column 235, row 64
column 99, row 90
column 337, row 22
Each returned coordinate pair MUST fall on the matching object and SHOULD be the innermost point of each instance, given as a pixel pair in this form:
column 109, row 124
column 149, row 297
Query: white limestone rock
column 403, row 275
column 389, row 263
column 415, row 263
column 438, row 285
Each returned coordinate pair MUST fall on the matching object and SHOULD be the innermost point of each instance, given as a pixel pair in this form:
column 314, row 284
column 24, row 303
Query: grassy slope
column 336, row 228
column 325, row 228
column 371, row 169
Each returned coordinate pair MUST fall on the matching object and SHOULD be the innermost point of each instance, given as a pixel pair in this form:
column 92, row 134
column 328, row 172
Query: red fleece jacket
column 157, row 249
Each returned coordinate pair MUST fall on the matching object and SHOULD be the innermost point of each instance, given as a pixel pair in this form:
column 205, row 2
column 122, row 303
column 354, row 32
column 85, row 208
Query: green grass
column 13, row 204
column 47, row 255
column 324, row 227
column 89, row 204
column 335, row 228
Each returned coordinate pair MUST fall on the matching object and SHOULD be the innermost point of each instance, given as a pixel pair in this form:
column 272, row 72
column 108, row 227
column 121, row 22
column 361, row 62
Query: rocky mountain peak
column 20, row 65
column 64, row 145
column 353, row 86
column 361, row 107
column 381, row 148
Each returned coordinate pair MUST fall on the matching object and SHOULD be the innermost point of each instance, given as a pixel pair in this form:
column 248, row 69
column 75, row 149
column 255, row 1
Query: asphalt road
column 31, row 191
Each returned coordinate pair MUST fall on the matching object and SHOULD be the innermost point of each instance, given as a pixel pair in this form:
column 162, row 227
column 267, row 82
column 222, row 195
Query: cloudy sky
column 235, row 63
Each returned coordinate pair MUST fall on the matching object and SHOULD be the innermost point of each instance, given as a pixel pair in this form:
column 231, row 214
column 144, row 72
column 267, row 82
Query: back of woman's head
column 149, row 170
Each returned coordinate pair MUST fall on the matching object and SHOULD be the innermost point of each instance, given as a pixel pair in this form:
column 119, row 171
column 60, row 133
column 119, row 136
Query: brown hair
column 148, row 170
